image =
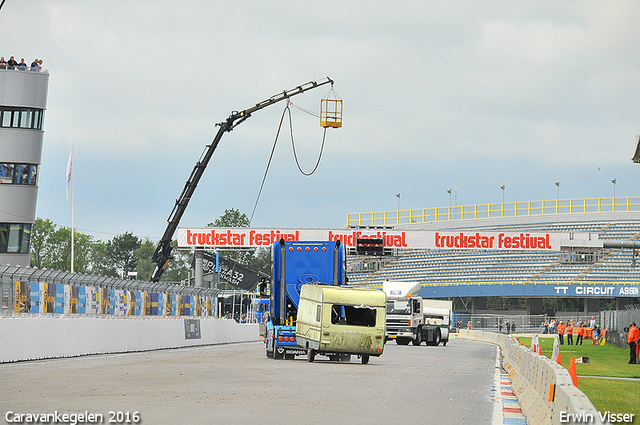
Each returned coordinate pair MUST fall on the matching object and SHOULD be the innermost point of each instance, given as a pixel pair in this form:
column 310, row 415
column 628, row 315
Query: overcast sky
column 437, row 95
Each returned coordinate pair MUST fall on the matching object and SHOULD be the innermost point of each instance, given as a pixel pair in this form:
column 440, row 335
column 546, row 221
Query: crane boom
column 162, row 254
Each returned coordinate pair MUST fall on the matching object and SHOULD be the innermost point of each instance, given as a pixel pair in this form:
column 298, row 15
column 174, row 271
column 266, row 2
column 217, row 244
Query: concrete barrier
column 543, row 387
column 31, row 338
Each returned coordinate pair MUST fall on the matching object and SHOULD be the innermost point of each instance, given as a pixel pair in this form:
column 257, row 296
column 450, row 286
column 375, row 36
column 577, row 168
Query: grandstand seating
column 495, row 266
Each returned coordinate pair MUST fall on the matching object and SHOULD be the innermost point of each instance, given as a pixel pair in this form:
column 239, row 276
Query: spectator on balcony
column 12, row 64
column 22, row 65
column 35, row 65
column 3, row 63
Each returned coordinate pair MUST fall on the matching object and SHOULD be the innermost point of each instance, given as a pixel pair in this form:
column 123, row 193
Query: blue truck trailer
column 296, row 263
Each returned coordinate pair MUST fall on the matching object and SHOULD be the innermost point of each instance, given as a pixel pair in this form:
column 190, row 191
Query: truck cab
column 412, row 319
column 404, row 312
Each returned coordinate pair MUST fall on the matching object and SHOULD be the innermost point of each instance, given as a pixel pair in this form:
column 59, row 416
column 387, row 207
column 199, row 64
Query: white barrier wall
column 544, row 388
column 30, row 338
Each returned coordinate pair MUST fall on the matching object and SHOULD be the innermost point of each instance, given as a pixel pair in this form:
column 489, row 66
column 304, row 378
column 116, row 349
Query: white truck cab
column 412, row 319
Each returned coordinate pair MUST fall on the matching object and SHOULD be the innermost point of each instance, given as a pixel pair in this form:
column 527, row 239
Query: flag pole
column 70, row 181
column 73, row 229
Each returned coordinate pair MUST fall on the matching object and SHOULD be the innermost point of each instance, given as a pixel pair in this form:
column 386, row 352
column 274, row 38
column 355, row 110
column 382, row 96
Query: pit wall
column 544, row 388
column 31, row 338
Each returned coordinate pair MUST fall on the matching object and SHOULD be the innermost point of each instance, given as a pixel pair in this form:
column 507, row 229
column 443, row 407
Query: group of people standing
column 22, row 65
column 570, row 329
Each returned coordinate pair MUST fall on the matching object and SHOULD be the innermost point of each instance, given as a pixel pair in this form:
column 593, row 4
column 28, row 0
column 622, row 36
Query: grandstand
column 612, row 220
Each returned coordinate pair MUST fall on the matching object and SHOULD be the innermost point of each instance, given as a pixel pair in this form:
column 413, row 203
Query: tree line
column 51, row 249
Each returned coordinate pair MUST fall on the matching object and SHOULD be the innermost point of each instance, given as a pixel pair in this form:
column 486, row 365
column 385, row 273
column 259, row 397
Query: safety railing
column 495, row 210
column 23, row 68
column 26, row 291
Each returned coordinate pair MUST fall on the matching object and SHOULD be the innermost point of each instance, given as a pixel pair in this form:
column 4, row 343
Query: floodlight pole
column 614, row 187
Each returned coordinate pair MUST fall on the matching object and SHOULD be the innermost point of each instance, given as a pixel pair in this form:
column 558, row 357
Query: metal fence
column 9, row 275
column 617, row 324
column 504, row 209
column 524, row 323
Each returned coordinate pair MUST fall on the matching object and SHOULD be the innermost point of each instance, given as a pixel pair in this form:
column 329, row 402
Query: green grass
column 617, row 396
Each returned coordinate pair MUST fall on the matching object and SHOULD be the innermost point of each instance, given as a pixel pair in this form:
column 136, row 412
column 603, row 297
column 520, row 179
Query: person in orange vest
column 580, row 333
column 570, row 333
column 633, row 340
column 561, row 328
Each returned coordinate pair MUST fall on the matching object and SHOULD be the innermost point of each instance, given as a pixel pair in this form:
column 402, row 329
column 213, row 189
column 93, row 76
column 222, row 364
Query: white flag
column 69, row 172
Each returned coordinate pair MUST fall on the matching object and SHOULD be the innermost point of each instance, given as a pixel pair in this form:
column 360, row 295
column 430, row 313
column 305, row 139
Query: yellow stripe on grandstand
column 506, row 209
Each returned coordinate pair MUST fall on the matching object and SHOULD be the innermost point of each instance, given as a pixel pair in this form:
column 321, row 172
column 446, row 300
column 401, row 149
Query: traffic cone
column 572, row 372
column 539, row 350
column 558, row 359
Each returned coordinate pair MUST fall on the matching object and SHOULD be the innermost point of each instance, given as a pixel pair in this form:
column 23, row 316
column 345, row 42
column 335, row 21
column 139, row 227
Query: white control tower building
column 23, row 100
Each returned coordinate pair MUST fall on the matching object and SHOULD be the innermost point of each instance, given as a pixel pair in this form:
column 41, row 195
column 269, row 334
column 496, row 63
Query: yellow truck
column 339, row 322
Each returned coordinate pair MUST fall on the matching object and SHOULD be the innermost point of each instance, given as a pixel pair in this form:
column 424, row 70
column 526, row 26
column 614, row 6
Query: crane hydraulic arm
column 162, row 254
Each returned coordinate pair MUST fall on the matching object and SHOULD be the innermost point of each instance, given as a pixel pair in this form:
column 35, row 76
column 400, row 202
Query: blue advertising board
column 113, row 301
column 188, row 307
column 36, row 305
column 175, row 300
column 59, row 298
column 82, row 299
column 542, row 290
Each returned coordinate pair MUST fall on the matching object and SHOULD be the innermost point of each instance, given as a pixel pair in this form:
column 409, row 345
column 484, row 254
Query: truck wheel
column 269, row 354
column 365, row 358
column 402, row 341
column 311, row 355
column 418, row 339
column 344, row 357
column 444, row 342
column 436, row 337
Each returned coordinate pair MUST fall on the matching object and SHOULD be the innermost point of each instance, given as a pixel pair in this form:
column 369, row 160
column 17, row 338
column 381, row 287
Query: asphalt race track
column 237, row 384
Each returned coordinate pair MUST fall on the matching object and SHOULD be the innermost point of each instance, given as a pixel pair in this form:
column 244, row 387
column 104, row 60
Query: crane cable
column 268, row 165
column 266, row 171
column 293, row 144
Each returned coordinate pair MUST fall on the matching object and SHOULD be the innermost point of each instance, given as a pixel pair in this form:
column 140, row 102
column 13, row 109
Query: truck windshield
column 399, row 307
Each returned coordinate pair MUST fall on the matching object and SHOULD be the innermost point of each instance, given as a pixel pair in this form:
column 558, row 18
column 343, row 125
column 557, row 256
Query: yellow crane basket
column 331, row 113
